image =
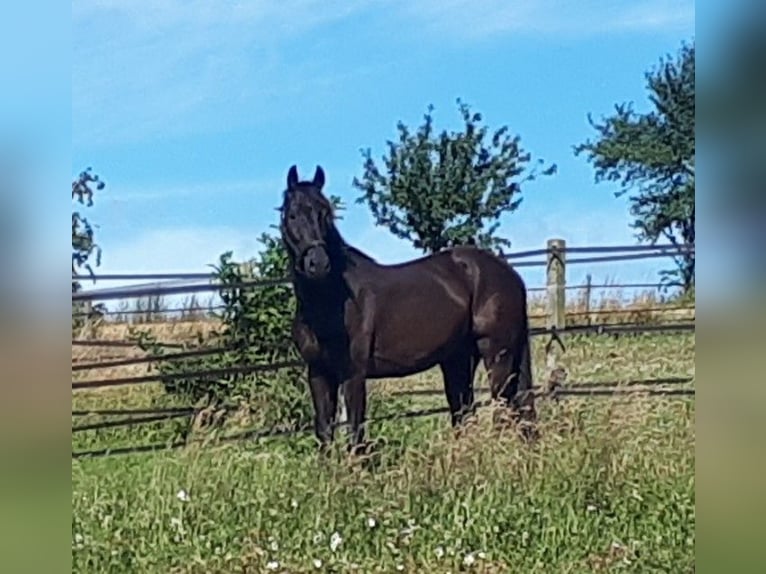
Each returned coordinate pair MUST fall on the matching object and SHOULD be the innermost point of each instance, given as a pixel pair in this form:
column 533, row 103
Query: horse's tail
column 525, row 364
column 525, row 394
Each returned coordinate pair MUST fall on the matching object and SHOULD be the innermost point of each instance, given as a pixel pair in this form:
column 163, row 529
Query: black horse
column 357, row 319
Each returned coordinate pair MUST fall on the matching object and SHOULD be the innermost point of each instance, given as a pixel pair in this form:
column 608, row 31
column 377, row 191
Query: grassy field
column 609, row 487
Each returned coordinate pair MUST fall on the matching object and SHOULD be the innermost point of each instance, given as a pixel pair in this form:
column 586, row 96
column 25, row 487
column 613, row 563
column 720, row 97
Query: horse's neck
column 314, row 294
column 346, row 256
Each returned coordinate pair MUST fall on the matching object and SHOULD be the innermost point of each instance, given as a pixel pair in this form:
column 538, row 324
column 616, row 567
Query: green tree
column 438, row 190
column 84, row 247
column 651, row 156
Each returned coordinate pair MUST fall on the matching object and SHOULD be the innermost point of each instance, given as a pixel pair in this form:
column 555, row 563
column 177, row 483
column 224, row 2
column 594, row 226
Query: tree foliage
column 443, row 189
column 85, row 250
column 651, row 156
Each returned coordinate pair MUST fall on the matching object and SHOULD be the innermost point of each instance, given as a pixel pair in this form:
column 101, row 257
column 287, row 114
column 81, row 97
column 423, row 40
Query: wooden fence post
column 556, row 284
column 556, row 300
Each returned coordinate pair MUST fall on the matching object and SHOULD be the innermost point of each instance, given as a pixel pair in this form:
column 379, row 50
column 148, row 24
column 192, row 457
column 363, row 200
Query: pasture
column 609, row 487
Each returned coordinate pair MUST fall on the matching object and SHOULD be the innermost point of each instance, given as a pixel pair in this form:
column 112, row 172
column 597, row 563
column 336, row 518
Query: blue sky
column 193, row 111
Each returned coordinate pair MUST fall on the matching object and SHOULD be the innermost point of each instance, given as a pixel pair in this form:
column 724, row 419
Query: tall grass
column 609, row 488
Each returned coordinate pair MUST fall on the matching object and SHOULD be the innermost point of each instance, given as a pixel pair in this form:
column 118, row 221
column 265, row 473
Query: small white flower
column 371, row 522
column 481, row 555
column 274, row 545
column 317, row 563
column 78, row 538
column 400, row 567
column 294, row 503
column 335, row 541
column 317, row 538
column 591, row 508
column 273, row 565
column 183, row 496
column 469, row 560
column 439, row 552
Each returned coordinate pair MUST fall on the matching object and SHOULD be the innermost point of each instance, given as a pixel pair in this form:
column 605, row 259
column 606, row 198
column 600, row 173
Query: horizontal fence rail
column 621, row 311
column 274, row 432
column 212, row 309
column 151, row 359
column 635, row 252
column 135, row 414
column 513, row 255
column 267, row 367
column 205, row 373
column 126, row 344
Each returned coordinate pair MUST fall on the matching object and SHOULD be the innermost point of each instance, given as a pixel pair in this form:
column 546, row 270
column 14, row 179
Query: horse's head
column 307, row 225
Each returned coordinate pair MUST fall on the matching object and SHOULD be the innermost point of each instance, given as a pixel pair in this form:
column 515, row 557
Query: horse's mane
column 359, row 253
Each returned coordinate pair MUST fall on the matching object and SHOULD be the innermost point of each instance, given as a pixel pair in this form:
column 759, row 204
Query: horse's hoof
column 530, row 434
column 360, row 449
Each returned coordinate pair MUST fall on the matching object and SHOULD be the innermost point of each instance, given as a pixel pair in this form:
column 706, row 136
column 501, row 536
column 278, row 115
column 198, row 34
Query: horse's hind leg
column 508, row 367
column 458, row 372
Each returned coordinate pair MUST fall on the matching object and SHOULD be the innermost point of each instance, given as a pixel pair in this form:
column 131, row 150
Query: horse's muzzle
column 315, row 262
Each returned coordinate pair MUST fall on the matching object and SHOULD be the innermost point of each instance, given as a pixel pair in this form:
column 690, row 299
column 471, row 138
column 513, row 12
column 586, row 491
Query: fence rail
column 633, row 252
column 269, row 367
column 136, row 414
column 512, row 255
column 203, row 373
column 151, row 359
column 273, row 432
column 196, row 311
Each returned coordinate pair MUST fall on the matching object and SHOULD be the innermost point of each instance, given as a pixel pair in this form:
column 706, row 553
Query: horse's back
column 421, row 312
column 499, row 299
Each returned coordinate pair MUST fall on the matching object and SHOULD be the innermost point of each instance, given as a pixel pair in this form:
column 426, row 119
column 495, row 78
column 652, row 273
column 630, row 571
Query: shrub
column 254, row 330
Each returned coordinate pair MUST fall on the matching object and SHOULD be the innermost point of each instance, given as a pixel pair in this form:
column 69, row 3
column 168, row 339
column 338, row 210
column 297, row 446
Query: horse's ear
column 292, row 177
column 319, row 177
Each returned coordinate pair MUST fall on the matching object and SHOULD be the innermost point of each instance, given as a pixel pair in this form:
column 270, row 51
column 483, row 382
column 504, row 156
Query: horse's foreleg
column 355, row 396
column 324, row 394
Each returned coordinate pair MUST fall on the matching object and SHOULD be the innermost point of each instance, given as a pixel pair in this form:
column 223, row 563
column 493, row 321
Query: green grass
column 609, row 487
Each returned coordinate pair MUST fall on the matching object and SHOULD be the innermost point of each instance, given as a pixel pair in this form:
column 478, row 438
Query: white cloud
column 181, row 250
column 148, row 68
column 172, row 250
column 170, row 67
column 285, row 17
column 176, row 250
column 252, row 187
column 531, row 228
column 475, row 19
